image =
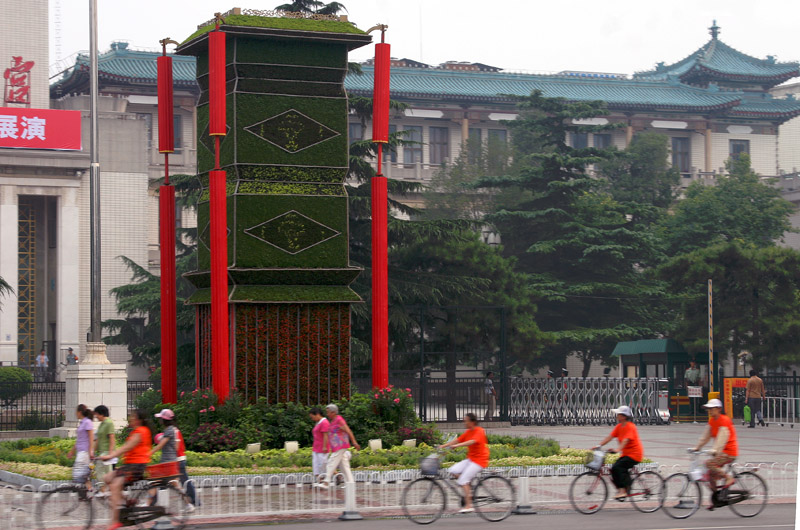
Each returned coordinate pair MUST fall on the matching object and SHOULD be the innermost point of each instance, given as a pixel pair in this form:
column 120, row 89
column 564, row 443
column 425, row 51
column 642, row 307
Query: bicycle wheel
column 588, row 493
column 748, row 495
column 65, row 506
column 645, row 491
column 423, row 500
column 680, row 497
column 168, row 497
column 493, row 498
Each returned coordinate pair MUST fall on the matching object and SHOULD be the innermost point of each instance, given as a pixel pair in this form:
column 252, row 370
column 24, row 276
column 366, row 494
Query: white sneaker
column 466, row 510
column 321, row 485
column 190, row 508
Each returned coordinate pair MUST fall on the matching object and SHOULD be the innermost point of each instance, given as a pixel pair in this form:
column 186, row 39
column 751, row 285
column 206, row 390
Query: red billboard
column 40, row 129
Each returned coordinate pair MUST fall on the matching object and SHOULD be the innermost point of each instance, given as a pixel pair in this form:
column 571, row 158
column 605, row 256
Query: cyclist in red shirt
column 474, row 439
column 725, row 450
column 630, row 448
column 137, row 455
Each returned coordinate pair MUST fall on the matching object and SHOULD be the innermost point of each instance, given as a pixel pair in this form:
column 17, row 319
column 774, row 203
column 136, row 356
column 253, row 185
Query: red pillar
column 220, row 360
column 166, row 218
column 380, row 219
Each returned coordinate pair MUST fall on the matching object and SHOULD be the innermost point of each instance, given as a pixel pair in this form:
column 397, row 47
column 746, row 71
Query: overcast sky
column 620, row 36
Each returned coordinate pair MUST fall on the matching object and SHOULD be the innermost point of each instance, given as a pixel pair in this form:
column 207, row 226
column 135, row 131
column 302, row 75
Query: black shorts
column 131, row 472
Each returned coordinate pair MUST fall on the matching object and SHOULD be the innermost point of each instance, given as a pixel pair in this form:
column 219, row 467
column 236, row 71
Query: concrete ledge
column 22, row 435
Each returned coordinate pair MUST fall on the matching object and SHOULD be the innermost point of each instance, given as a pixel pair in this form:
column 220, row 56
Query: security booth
column 668, row 360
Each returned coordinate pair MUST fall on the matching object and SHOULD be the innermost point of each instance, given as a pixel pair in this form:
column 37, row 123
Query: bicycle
column 682, row 495
column 588, row 493
column 424, row 499
column 72, row 505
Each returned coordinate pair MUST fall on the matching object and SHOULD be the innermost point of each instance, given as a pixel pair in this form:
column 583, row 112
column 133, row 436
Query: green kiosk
column 666, row 359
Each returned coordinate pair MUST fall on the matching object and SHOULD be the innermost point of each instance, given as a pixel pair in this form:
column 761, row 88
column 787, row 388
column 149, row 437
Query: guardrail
column 285, row 497
column 581, row 401
column 781, row 410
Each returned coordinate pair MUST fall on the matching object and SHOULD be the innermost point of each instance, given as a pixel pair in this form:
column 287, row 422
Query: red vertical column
column 219, row 219
column 166, row 217
column 380, row 219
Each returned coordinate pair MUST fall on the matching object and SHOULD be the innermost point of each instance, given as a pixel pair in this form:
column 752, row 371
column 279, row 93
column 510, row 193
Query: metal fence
column 781, row 410
column 582, row 401
column 263, row 498
column 31, row 406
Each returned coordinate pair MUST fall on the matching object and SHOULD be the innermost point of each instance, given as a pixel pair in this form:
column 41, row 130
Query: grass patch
column 300, row 24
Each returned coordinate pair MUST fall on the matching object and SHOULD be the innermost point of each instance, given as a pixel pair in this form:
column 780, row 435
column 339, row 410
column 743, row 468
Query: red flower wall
column 286, row 352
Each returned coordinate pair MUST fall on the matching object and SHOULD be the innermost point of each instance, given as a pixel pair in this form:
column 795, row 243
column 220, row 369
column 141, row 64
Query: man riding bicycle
column 474, row 439
column 630, row 449
column 725, row 449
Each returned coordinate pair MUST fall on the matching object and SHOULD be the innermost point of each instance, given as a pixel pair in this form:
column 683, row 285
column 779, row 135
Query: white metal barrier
column 781, row 410
column 261, row 498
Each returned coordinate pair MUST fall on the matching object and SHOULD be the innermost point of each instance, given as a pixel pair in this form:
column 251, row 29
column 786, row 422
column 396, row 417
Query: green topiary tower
column 286, row 158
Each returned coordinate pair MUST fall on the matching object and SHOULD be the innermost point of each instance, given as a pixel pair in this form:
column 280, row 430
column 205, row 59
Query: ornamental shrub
column 15, row 384
column 213, row 437
column 426, row 434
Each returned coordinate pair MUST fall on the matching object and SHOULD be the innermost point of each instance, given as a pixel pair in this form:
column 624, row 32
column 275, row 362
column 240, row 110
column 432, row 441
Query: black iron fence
column 441, row 397
column 31, row 406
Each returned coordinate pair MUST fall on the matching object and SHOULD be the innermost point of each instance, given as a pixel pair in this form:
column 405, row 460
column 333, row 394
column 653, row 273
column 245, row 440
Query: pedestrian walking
column 42, row 364
column 754, row 393
column 338, row 441
column 319, row 458
column 83, row 450
column 105, row 441
column 491, row 396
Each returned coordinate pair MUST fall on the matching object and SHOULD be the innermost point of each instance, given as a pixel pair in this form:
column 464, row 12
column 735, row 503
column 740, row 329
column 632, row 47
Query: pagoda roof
column 619, row 94
column 123, row 65
column 716, row 61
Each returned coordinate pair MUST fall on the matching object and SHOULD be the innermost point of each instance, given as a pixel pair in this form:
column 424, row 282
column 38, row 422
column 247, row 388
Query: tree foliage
column 312, row 6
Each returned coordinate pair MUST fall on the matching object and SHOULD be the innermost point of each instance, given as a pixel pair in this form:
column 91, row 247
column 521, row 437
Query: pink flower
column 205, row 396
column 182, row 393
column 409, row 395
column 211, row 408
column 376, row 396
column 397, row 400
column 202, row 410
column 408, row 390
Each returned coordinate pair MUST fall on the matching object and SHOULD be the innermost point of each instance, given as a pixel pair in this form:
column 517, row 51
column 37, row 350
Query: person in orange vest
column 725, row 449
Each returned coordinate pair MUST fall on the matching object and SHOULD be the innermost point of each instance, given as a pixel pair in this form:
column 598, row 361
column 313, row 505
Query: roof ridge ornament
column 714, row 30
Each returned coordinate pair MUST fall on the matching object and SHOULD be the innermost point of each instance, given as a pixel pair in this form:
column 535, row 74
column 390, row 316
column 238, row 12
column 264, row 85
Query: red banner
column 40, row 129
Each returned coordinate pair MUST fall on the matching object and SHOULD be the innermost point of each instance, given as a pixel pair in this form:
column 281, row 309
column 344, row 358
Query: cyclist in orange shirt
column 725, row 450
column 630, row 448
column 474, row 439
column 137, row 455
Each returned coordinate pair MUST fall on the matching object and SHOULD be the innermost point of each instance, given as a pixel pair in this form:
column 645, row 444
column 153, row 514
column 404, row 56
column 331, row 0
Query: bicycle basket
column 429, row 465
column 165, row 469
column 595, row 459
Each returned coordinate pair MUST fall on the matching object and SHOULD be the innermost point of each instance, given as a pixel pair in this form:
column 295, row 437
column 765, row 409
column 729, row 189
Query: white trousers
column 339, row 459
column 319, row 462
column 466, row 471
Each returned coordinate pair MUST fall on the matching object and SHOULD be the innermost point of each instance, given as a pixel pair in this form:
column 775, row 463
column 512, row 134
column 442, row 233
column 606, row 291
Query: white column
column 68, row 327
column 9, row 260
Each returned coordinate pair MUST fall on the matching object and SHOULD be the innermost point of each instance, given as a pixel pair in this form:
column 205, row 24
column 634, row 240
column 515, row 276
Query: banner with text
column 40, row 129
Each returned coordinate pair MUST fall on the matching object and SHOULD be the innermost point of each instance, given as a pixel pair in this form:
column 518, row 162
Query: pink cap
column 166, row 414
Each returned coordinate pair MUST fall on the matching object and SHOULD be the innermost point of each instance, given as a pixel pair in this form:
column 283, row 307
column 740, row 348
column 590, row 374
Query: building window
column 178, row 131
column 356, row 132
column 681, row 156
column 497, row 154
column 580, row 140
column 412, row 152
column 439, row 144
column 390, row 153
column 602, row 141
column 474, row 145
column 737, row 147
column 148, row 127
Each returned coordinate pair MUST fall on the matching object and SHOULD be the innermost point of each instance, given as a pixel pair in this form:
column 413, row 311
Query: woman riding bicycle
column 137, row 455
column 630, row 448
column 474, row 439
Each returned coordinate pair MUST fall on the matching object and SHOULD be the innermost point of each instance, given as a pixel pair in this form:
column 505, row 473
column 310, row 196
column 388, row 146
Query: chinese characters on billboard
column 40, row 129
column 18, row 82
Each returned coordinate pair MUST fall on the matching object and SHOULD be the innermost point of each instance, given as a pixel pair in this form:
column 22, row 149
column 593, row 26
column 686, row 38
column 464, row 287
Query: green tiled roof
column 718, row 61
column 121, row 64
column 495, row 86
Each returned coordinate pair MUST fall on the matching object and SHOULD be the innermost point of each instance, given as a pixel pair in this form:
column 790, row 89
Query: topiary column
column 286, row 157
